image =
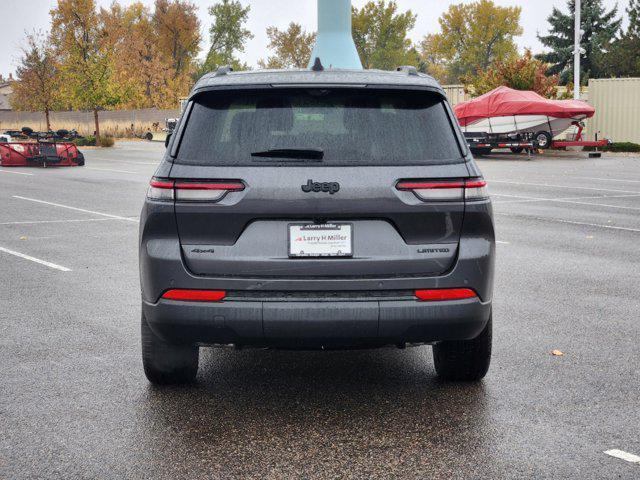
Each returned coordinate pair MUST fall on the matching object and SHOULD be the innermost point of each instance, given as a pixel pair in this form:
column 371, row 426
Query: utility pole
column 577, row 49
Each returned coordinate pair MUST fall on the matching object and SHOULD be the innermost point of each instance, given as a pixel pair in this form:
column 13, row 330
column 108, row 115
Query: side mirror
column 167, row 140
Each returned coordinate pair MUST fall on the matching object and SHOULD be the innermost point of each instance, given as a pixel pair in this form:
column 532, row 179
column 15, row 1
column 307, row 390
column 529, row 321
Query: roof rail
column 223, row 70
column 409, row 69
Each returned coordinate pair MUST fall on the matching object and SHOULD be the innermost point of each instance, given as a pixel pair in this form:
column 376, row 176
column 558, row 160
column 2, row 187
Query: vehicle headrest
column 356, row 117
column 280, row 118
column 241, row 125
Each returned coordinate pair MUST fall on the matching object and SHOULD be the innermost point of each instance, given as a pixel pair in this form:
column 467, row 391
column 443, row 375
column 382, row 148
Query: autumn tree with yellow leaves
column 39, row 74
column 473, row 36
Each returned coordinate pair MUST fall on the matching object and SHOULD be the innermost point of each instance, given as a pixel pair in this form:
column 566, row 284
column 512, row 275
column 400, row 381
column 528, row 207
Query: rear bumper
column 317, row 324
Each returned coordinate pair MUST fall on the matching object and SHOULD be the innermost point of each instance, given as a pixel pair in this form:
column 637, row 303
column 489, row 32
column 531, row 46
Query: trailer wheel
column 517, row 149
column 543, row 139
column 149, row 136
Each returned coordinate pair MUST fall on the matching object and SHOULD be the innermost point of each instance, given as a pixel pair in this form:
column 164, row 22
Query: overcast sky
column 19, row 16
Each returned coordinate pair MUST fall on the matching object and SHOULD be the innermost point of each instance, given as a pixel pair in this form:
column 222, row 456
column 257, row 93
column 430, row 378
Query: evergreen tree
column 600, row 28
column 624, row 58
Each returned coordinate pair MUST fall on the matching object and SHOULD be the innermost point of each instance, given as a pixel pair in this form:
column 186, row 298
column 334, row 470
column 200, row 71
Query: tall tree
column 37, row 87
column 523, row 73
column 178, row 33
column 292, row 47
column 623, row 59
column 86, row 63
column 139, row 68
column 228, row 36
column 473, row 36
column 600, row 28
column 433, row 61
column 381, row 35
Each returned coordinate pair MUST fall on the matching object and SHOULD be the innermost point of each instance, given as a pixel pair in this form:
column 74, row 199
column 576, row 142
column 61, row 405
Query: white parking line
column 569, row 200
column 563, row 186
column 569, row 222
column 110, row 170
column 108, row 215
column 16, row 173
column 36, row 260
column 621, row 454
column 502, row 242
column 609, row 179
column 38, row 222
column 133, row 162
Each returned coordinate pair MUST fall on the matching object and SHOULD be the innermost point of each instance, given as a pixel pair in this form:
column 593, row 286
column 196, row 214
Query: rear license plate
column 330, row 240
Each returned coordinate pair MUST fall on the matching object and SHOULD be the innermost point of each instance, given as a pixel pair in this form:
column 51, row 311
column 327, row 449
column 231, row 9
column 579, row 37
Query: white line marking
column 569, row 200
column 110, row 170
column 545, row 199
column 108, row 215
column 563, row 186
column 39, row 222
column 609, row 179
column 133, row 162
column 545, row 219
column 629, row 457
column 16, row 173
column 504, row 243
column 36, row 260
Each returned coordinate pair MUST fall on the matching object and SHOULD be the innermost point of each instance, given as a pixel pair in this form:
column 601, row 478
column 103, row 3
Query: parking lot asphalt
column 74, row 402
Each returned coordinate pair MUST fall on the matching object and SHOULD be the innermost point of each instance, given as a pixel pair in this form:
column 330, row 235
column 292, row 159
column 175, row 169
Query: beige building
column 617, row 104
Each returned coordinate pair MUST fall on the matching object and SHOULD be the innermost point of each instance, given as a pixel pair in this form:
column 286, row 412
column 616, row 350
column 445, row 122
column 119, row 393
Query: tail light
column 443, row 294
column 191, row 191
column 195, row 295
column 469, row 189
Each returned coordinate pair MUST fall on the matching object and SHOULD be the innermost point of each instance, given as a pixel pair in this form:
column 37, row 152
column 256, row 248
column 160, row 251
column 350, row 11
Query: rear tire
column 166, row 364
column 464, row 360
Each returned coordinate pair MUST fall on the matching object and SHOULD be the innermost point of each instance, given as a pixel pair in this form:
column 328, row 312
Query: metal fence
column 617, row 104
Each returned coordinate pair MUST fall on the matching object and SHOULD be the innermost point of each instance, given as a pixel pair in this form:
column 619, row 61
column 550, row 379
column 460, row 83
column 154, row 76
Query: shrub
column 106, row 141
column 626, row 147
column 88, row 141
column 623, row 147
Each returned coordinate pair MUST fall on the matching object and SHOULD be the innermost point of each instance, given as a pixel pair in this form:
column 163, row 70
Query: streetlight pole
column 577, row 48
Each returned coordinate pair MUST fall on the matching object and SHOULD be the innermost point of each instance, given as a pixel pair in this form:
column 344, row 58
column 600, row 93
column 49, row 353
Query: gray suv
column 316, row 210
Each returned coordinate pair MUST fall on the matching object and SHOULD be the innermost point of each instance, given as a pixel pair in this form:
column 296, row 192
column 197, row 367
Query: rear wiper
column 292, row 153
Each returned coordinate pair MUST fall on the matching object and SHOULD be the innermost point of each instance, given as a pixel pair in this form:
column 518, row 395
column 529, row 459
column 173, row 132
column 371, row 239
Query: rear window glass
column 323, row 127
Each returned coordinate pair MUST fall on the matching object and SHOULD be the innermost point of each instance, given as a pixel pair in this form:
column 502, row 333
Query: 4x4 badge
column 329, row 187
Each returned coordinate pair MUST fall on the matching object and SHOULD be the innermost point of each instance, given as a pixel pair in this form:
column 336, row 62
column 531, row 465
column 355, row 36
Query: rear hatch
column 318, row 183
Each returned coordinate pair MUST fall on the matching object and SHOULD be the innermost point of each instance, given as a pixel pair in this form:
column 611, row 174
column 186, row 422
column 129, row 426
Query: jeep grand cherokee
column 316, row 210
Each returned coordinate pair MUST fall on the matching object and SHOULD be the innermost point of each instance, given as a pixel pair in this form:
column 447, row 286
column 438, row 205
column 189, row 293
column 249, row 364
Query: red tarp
column 504, row 101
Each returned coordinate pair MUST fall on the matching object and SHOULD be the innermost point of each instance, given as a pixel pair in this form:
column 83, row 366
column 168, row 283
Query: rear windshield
column 319, row 127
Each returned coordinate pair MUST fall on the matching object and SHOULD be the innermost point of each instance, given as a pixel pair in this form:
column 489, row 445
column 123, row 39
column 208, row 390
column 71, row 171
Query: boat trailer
column 482, row 143
column 578, row 141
